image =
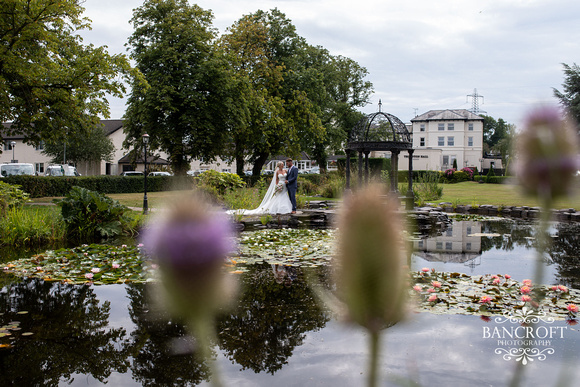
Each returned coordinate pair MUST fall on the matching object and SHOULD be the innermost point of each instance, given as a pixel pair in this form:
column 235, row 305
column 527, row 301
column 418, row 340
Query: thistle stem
column 374, row 359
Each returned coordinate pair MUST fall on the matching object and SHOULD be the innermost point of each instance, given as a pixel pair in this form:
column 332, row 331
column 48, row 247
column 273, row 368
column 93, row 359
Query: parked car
column 267, row 172
column 314, row 170
column 160, row 173
column 61, row 170
column 17, row 169
column 132, row 173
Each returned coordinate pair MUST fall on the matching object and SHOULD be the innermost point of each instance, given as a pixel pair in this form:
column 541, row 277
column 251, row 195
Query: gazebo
column 379, row 132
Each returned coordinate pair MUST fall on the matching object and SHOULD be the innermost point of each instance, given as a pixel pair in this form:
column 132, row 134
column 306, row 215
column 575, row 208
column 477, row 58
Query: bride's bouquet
column 279, row 187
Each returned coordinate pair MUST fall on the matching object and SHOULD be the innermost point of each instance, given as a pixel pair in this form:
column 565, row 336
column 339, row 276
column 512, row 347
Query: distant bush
column 11, row 196
column 220, row 181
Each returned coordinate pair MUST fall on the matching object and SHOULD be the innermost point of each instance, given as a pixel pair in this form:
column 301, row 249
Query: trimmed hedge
column 42, row 186
column 498, row 179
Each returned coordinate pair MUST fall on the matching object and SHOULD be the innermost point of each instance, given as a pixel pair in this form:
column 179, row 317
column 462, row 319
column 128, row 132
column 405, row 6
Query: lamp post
column 145, row 142
column 13, row 145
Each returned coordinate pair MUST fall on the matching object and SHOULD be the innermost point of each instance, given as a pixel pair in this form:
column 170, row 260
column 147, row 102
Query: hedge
column 42, row 186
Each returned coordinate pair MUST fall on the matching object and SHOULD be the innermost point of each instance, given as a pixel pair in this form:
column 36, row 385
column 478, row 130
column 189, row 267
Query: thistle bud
column 369, row 273
column 190, row 244
column 547, row 153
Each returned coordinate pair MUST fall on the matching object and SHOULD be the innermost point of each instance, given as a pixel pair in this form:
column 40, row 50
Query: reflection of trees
column 270, row 320
column 70, row 334
column 513, row 233
column 565, row 251
column 155, row 362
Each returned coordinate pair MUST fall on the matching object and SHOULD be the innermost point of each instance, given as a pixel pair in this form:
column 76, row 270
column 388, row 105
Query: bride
column 276, row 200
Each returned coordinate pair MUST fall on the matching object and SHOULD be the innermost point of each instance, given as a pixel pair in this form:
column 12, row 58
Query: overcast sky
column 420, row 54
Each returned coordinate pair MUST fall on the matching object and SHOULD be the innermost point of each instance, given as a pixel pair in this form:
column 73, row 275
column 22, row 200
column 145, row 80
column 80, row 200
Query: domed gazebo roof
column 379, row 132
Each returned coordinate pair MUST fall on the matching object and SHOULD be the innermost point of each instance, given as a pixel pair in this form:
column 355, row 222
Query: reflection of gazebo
column 379, row 132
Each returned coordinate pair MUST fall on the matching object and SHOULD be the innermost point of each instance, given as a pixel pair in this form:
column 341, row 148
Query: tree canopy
column 498, row 137
column 92, row 146
column 49, row 80
column 183, row 107
column 570, row 96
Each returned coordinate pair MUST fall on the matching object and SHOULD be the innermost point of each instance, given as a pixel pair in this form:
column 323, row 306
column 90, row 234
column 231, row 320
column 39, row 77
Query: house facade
column 442, row 136
column 122, row 159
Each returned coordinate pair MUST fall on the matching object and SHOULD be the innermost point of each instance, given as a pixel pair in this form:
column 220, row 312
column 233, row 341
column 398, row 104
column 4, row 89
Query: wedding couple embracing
column 281, row 195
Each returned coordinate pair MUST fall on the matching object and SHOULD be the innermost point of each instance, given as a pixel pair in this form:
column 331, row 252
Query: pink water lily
column 573, row 308
column 527, row 282
column 507, row 276
column 432, row 298
column 436, row 284
column 95, row 270
column 89, row 276
column 525, row 290
column 485, row 300
column 417, row 288
column 526, row 298
column 115, row 265
column 496, row 281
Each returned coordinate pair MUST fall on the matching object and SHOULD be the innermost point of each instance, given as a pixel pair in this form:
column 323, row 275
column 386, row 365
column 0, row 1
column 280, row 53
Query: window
column 448, row 246
column 450, row 126
column 7, row 146
column 449, row 231
column 422, row 141
column 40, row 146
column 39, row 168
column 468, row 231
column 440, row 141
column 420, row 244
column 441, row 126
column 450, row 141
column 468, row 246
column 439, row 245
column 422, row 127
column 445, row 160
column 469, row 141
column 227, row 170
column 470, row 127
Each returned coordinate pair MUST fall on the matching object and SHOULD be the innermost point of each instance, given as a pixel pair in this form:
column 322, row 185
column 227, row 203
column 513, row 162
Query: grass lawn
column 461, row 193
column 470, row 192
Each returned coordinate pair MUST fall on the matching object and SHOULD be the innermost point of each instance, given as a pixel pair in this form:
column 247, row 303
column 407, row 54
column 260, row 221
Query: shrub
column 427, row 187
column 221, row 181
column 470, row 172
column 243, row 198
column 89, row 215
column 11, row 196
column 333, row 187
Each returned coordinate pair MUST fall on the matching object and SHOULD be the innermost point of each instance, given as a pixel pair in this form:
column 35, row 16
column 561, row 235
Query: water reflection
column 275, row 311
column 275, row 328
column 70, row 335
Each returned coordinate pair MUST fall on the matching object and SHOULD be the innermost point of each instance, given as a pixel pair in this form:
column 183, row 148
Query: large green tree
column 498, row 137
column 50, row 80
column 92, row 146
column 278, row 116
column 184, row 106
column 570, row 96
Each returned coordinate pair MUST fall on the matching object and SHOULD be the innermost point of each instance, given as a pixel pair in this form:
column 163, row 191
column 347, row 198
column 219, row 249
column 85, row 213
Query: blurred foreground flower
column 190, row 244
column 369, row 274
column 547, row 151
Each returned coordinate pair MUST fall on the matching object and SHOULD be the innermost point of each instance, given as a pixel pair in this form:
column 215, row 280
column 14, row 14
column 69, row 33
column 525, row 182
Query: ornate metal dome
column 379, row 131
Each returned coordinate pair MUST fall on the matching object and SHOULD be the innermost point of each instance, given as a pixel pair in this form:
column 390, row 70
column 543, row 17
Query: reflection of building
column 457, row 244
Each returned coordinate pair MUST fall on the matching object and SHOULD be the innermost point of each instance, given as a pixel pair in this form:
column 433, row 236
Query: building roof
column 447, row 115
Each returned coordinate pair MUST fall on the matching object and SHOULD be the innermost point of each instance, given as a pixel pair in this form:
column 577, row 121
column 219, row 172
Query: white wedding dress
column 273, row 202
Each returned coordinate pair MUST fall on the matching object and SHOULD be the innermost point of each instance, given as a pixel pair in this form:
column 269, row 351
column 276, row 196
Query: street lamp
column 13, row 145
column 145, row 142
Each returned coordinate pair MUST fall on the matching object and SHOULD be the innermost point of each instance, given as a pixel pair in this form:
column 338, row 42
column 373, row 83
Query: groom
column 291, row 183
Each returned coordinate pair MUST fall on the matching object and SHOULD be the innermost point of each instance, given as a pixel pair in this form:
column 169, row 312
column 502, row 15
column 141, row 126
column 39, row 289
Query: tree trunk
column 258, row 164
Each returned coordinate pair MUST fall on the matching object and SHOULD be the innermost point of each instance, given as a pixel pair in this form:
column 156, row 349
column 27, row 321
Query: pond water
column 277, row 334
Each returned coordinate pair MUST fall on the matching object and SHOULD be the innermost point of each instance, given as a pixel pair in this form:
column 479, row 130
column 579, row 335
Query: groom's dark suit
column 292, row 185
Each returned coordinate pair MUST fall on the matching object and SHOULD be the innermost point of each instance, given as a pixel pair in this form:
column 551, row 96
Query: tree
column 278, row 116
column 49, row 80
column 498, row 137
column 93, row 146
column 184, row 107
column 570, row 97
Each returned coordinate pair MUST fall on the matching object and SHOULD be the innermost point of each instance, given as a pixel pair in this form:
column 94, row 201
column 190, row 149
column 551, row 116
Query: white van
column 61, row 170
column 17, row 169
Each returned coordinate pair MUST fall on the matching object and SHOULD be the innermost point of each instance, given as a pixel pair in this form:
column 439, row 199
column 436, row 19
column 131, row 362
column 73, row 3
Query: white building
column 441, row 136
column 121, row 161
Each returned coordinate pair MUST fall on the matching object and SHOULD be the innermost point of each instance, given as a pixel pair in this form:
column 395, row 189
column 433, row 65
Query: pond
column 277, row 333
